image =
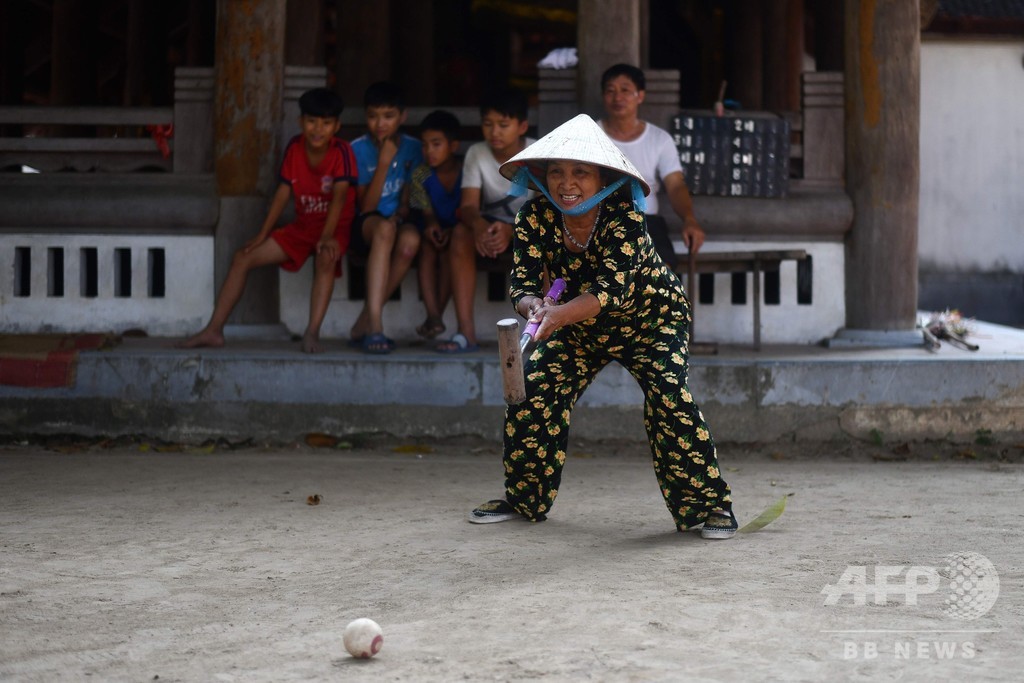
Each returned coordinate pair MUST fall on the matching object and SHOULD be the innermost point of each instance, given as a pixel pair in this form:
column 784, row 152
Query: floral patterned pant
column 559, row 370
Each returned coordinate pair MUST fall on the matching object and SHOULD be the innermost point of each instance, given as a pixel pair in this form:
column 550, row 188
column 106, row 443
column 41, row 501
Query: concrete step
column 268, row 388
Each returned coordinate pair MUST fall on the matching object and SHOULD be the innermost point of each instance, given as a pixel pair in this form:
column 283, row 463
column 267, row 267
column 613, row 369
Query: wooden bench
column 497, row 271
column 756, row 262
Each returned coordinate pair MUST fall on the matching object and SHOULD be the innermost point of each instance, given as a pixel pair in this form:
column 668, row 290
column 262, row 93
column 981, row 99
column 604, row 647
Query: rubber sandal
column 357, row 342
column 377, row 344
column 457, row 344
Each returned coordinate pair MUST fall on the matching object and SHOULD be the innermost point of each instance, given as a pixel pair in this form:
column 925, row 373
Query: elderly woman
column 621, row 303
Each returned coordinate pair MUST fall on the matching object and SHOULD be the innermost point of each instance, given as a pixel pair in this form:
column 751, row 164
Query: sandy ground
column 120, row 563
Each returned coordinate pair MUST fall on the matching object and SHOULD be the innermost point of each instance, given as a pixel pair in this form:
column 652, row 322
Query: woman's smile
column 572, row 181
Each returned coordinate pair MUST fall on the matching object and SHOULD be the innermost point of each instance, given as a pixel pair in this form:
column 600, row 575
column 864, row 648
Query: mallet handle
column 555, row 293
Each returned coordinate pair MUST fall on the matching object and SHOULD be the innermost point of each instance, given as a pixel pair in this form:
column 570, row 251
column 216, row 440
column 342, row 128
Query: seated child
column 488, row 212
column 320, row 171
column 436, row 193
column 386, row 158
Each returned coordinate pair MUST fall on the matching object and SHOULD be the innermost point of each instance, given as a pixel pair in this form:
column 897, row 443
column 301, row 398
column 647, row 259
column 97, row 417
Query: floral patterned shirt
column 620, row 267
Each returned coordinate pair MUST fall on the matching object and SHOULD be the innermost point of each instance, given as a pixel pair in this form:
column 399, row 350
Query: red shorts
column 299, row 243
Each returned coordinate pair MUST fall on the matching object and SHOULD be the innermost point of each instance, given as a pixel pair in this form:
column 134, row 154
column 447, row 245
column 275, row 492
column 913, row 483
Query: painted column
column 249, row 71
column 249, row 77
column 883, row 42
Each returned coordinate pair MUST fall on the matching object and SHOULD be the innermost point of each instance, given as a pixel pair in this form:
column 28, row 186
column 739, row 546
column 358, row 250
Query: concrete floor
column 122, row 563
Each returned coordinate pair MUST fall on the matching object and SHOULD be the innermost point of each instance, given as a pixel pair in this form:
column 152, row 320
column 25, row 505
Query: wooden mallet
column 511, row 347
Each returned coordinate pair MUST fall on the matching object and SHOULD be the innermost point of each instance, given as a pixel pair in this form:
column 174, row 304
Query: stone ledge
column 103, row 203
column 272, row 390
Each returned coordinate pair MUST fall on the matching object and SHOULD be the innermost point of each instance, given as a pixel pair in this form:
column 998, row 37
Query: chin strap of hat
column 521, row 181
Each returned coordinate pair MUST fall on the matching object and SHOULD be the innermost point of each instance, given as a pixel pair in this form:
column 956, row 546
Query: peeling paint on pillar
column 249, row 85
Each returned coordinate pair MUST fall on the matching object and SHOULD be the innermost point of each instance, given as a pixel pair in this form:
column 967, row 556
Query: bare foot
column 204, row 338
column 311, row 344
column 358, row 330
column 431, row 327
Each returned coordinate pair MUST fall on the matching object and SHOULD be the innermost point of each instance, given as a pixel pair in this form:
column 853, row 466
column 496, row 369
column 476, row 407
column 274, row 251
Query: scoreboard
column 733, row 156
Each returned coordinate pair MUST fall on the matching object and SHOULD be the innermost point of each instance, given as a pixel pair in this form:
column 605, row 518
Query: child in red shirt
column 320, row 171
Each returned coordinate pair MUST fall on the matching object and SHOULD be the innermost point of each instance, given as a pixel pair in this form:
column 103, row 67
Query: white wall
column 972, row 156
column 723, row 322
column 184, row 308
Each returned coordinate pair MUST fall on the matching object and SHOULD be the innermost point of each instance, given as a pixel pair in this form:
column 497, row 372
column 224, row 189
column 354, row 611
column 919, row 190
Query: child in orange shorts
column 320, row 170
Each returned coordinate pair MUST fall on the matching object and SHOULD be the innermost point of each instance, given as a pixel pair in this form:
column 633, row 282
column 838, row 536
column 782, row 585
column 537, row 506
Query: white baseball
column 363, row 638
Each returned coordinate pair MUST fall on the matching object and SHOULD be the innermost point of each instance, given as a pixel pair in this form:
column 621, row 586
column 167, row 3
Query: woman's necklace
column 593, row 229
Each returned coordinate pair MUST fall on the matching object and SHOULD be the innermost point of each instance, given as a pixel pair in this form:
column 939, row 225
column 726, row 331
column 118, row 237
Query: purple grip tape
column 555, row 293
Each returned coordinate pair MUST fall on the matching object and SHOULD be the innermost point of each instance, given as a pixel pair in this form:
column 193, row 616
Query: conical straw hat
column 578, row 139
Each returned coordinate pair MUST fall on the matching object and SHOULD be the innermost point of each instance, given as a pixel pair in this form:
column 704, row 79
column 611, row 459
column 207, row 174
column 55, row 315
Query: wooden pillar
column 135, row 54
column 304, row 42
column 249, row 71
column 883, row 42
column 200, row 20
column 783, row 53
column 606, row 33
column 746, row 78
column 794, row 53
column 13, row 40
column 413, row 51
column 73, row 79
column 828, row 35
column 248, row 88
column 362, row 47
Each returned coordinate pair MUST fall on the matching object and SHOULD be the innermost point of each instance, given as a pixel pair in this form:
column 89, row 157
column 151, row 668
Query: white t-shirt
column 480, row 170
column 654, row 155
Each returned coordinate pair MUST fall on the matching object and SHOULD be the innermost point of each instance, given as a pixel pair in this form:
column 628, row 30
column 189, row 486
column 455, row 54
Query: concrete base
column 889, row 339
column 271, row 390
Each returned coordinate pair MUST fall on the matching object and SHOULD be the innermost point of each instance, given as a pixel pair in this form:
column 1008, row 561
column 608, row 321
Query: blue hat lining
column 521, row 181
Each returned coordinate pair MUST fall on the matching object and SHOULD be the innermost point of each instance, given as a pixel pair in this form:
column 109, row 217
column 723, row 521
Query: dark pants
column 559, row 370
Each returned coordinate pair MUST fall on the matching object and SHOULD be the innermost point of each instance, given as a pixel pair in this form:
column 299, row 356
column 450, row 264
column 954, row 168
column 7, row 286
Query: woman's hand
column 549, row 314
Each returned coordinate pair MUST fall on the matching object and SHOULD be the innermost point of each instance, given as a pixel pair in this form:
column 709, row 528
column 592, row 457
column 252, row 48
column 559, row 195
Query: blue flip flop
column 358, row 342
column 377, row 344
column 457, row 344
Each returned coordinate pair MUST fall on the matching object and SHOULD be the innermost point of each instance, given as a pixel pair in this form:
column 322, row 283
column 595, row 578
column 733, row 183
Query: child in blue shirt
column 386, row 158
column 436, row 194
